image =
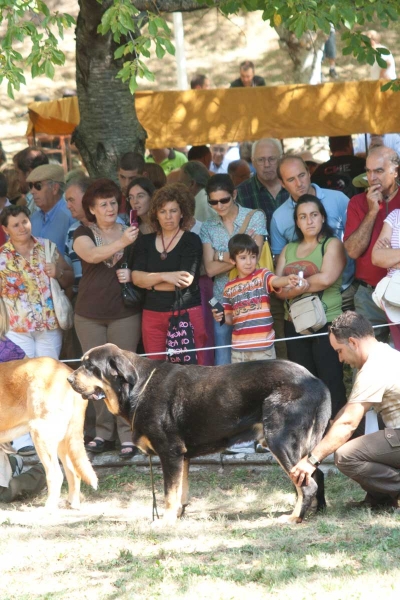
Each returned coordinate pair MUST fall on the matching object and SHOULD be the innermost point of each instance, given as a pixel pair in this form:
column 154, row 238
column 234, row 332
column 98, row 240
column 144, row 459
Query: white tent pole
column 180, row 51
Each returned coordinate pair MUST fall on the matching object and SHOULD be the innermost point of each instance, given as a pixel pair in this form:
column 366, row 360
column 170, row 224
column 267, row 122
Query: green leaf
column 133, row 85
column 170, row 48
column 49, row 69
column 386, row 86
column 160, row 52
column 10, row 91
column 119, row 52
column 153, row 28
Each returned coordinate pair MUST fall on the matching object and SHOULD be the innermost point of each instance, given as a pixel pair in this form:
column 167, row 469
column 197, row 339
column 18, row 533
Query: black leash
column 155, row 511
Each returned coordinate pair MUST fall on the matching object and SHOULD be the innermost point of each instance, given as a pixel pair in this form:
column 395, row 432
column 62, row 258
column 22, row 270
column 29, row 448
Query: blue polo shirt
column 283, row 231
column 53, row 225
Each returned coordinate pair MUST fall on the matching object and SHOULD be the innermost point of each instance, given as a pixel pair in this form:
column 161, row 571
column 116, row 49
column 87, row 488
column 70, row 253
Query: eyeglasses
column 221, row 201
column 271, row 160
column 36, row 184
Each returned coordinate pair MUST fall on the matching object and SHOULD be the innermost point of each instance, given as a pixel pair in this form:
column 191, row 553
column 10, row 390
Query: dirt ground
column 213, row 44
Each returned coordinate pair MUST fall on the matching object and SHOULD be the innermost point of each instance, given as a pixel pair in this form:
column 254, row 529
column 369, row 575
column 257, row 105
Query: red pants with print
column 155, row 327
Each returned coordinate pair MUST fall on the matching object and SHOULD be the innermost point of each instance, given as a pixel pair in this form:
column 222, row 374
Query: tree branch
column 171, row 5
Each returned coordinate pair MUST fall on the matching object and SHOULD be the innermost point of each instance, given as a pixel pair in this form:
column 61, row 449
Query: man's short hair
column 246, row 65
column 198, row 81
column 242, row 242
column 340, row 143
column 197, row 172
column 3, row 185
column 386, row 152
column 286, row 158
column 132, row 161
column 198, row 152
column 351, row 324
column 235, row 164
column 29, row 158
column 272, row 141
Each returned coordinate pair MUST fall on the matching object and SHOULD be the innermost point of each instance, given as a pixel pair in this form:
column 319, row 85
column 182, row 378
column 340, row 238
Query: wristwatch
column 313, row 461
column 221, row 256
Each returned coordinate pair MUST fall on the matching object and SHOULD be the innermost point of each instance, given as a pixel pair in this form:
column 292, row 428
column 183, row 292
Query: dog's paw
column 289, row 520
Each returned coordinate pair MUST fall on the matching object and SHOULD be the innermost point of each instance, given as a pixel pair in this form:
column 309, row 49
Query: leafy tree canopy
column 137, row 26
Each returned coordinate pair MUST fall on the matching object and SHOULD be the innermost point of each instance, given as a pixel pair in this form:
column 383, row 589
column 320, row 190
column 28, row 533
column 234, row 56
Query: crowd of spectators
column 187, row 211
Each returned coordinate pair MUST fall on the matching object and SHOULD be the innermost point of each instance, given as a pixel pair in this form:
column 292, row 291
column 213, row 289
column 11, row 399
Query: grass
column 228, row 546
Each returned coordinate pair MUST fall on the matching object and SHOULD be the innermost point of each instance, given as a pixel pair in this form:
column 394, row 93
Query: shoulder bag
column 265, row 257
column 308, row 314
column 132, row 295
column 62, row 305
column 180, row 336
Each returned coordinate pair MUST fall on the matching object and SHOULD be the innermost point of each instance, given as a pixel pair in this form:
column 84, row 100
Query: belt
column 364, row 284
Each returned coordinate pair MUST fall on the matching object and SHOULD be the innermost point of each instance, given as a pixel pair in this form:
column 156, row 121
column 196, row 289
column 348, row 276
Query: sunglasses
column 221, row 201
column 36, row 184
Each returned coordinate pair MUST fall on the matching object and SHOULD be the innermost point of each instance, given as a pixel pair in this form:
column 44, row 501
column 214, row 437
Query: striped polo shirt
column 247, row 299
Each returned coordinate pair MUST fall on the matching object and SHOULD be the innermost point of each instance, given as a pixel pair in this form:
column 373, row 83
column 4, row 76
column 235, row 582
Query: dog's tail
column 76, row 448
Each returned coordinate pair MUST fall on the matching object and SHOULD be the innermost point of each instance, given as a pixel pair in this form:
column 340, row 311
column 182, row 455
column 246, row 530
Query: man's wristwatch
column 313, row 461
column 221, row 256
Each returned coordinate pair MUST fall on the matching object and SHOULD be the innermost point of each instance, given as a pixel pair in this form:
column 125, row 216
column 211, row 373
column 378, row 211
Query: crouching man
column 372, row 460
column 15, row 484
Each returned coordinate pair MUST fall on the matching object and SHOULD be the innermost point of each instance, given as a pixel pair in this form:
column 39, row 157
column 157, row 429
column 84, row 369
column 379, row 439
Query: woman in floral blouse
column 25, row 286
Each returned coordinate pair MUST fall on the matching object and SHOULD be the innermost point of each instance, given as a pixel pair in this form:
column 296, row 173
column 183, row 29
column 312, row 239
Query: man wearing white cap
column 53, row 218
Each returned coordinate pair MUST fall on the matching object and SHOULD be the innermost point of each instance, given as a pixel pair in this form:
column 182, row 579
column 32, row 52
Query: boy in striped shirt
column 247, row 302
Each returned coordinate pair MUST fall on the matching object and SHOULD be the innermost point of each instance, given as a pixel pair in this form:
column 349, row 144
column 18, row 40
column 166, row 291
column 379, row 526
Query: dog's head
column 107, row 373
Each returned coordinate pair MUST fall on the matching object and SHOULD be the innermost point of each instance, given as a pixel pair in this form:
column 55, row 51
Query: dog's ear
column 120, row 366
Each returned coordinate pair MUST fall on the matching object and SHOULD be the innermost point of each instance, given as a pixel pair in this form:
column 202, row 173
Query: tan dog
column 36, row 397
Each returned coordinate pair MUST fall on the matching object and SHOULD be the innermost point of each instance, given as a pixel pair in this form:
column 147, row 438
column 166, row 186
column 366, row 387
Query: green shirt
column 310, row 265
column 173, row 161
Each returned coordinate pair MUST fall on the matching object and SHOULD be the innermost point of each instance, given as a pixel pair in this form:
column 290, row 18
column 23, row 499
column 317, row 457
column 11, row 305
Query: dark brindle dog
column 179, row 412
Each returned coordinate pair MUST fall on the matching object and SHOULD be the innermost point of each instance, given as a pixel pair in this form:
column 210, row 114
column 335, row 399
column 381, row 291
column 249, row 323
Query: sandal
column 128, row 451
column 97, row 445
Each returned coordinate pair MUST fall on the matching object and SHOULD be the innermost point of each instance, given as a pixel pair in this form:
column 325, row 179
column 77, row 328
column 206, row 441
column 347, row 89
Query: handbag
column 180, row 336
column 392, row 292
column 62, row 305
column 308, row 314
column 132, row 295
column 265, row 257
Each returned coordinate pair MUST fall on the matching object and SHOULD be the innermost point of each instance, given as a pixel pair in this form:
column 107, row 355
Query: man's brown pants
column 374, row 462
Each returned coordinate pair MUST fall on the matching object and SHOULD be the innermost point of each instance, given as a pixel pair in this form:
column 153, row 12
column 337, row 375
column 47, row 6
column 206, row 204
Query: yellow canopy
column 198, row 117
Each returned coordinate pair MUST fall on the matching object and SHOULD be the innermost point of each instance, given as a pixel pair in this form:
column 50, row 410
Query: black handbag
column 132, row 295
column 180, row 336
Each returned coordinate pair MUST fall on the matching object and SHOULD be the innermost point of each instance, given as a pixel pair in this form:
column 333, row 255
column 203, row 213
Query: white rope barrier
column 171, row 351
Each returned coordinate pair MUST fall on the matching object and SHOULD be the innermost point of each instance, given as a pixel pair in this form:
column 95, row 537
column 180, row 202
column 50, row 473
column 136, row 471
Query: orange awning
column 198, row 117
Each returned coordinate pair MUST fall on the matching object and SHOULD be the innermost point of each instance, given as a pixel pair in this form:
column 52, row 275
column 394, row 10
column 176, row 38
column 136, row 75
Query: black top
column 186, row 256
column 338, row 174
column 257, row 82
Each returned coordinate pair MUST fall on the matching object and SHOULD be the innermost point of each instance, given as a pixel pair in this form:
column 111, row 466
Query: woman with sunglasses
column 215, row 234
column 168, row 261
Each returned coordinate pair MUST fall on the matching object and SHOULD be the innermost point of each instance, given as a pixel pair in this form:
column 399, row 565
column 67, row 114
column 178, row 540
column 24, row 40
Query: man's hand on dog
column 302, row 472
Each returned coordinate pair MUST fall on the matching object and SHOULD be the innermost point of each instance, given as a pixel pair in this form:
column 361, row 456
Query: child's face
column 245, row 263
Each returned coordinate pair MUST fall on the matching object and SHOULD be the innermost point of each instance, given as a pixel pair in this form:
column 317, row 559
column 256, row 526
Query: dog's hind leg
column 185, row 487
column 73, row 479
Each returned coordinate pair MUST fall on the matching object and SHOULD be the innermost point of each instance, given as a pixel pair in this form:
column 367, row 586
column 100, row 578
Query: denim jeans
column 222, row 337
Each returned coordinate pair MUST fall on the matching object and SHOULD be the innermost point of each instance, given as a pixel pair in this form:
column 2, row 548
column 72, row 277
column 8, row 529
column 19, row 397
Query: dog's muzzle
column 96, row 394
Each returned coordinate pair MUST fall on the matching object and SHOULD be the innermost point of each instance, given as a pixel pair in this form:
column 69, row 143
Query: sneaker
column 260, row 449
column 27, row 451
column 333, row 74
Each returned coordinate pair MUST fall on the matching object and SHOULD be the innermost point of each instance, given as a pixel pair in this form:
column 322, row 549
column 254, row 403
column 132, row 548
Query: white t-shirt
column 375, row 69
column 378, row 381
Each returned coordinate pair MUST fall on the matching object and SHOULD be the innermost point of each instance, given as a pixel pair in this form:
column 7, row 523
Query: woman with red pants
column 166, row 261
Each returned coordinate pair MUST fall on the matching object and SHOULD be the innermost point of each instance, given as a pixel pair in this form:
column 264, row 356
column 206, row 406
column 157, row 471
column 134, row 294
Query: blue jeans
column 366, row 306
column 222, row 337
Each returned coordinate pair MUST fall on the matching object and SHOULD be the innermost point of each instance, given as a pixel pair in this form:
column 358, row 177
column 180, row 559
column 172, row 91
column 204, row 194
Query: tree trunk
column 305, row 53
column 108, row 123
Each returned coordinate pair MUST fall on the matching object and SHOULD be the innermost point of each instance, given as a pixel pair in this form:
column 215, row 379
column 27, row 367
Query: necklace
column 164, row 253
